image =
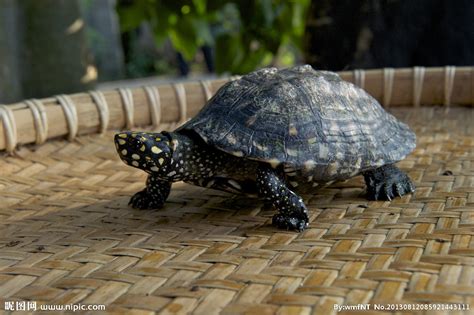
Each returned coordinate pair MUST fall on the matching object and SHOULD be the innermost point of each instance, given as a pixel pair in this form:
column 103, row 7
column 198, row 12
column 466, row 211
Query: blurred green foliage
column 245, row 34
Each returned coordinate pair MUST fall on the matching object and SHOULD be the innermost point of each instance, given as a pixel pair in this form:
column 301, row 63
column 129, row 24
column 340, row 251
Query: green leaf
column 200, row 6
column 257, row 59
column 184, row 37
column 229, row 53
column 246, row 34
column 203, row 32
column 131, row 16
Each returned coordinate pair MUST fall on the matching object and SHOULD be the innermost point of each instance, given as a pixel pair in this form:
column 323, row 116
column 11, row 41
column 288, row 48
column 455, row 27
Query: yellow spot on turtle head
column 142, row 148
column 121, row 141
column 122, row 135
column 158, row 139
column 142, row 138
column 156, row 150
column 160, row 161
column 123, row 152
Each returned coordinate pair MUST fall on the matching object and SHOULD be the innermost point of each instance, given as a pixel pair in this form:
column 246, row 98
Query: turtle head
column 151, row 152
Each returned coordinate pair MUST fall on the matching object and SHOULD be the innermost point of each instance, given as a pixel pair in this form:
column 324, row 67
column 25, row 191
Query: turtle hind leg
column 387, row 182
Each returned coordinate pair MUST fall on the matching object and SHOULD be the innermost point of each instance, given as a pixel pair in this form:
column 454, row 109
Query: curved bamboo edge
column 96, row 111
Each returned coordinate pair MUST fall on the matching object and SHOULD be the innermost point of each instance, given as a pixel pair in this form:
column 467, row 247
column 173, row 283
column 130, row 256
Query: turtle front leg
column 387, row 182
column 293, row 214
column 153, row 196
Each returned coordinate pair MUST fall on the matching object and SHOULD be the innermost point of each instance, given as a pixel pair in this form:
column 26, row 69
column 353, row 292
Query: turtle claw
column 142, row 200
column 397, row 189
column 387, row 182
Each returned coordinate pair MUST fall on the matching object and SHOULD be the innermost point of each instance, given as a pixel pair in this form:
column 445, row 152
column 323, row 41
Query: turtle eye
column 135, row 144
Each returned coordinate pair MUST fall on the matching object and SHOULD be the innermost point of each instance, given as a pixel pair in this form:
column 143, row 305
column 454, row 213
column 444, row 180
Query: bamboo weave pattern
column 67, row 235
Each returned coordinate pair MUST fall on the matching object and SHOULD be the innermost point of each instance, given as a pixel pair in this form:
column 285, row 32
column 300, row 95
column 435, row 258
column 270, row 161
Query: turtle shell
column 300, row 117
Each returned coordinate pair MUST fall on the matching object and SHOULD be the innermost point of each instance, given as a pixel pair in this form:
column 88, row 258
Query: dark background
column 389, row 33
column 62, row 46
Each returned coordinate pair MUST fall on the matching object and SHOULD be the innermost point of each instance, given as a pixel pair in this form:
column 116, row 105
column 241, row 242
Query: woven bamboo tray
column 67, row 235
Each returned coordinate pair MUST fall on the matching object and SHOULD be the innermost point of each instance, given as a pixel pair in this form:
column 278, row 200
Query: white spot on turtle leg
column 135, row 156
column 123, row 152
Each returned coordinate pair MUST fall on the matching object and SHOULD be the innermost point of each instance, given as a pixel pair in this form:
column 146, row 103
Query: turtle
column 276, row 134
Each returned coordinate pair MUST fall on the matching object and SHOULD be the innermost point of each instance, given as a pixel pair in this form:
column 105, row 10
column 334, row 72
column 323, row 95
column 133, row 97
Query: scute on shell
column 298, row 114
